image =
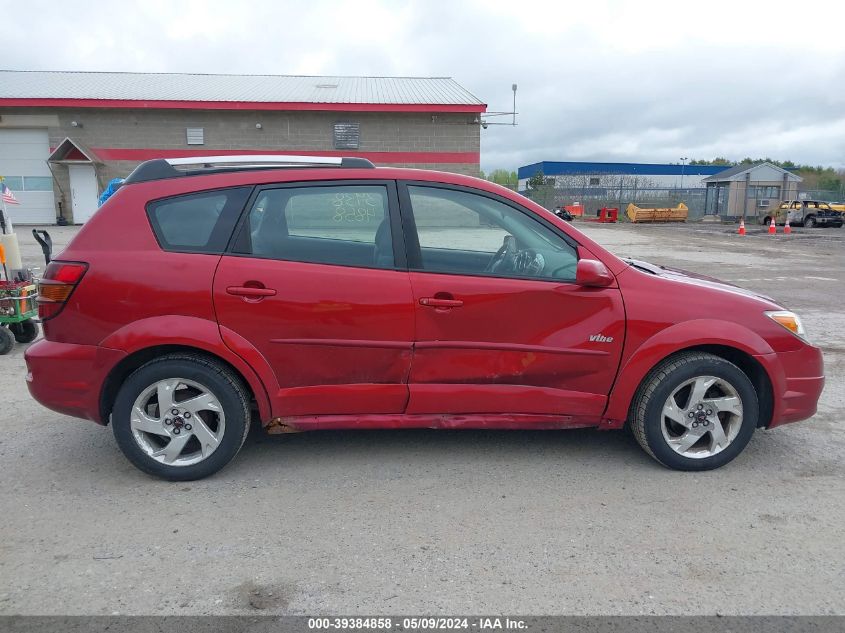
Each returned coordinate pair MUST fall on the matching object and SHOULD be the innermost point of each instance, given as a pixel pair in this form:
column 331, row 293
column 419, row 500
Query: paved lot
column 577, row 522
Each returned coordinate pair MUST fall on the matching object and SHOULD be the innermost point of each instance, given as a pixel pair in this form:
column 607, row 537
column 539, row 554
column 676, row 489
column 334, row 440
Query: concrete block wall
column 148, row 129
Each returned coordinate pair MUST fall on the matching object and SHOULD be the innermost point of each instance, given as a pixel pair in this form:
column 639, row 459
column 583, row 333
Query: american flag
column 7, row 195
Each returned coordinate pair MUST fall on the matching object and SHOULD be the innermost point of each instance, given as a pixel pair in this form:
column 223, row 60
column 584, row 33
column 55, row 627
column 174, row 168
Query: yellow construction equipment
column 676, row 214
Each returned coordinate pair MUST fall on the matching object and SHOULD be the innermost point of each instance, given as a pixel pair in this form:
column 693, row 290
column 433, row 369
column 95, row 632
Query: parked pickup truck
column 808, row 213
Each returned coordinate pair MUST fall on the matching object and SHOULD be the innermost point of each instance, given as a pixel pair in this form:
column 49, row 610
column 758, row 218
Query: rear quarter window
column 198, row 222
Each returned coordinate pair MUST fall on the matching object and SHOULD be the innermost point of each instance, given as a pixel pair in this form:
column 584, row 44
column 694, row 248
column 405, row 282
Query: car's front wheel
column 181, row 417
column 695, row 411
column 810, row 222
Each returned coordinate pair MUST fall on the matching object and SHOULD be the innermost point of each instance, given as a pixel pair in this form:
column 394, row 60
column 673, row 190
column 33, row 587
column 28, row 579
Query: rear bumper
column 797, row 383
column 69, row 378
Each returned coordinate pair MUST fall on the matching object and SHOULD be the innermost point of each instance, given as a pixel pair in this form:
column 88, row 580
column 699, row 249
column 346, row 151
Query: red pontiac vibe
column 324, row 293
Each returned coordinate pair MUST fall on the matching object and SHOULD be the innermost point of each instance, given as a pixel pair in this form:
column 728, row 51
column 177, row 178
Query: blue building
column 587, row 175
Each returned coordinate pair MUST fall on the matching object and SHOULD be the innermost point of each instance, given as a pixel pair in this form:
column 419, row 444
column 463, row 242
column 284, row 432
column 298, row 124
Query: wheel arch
column 121, row 371
column 735, row 344
column 749, row 365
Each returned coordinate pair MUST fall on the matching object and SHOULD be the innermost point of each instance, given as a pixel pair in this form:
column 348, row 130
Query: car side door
column 315, row 282
column 501, row 327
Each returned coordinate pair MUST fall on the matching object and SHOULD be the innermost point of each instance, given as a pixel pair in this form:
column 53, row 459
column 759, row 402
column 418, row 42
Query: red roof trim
column 106, row 153
column 240, row 105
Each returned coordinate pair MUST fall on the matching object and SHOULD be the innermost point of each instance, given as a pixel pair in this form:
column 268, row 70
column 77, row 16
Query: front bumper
column 69, row 378
column 828, row 219
column 797, row 382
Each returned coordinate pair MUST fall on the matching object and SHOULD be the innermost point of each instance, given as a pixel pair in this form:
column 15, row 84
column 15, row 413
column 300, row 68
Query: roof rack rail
column 164, row 168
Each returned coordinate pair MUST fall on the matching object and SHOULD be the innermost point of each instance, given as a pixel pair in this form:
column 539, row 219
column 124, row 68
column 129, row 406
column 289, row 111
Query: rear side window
column 346, row 225
column 197, row 222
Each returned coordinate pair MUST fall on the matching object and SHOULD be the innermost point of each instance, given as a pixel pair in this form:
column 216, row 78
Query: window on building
column 195, row 135
column 764, row 192
column 15, row 183
column 29, row 183
column 594, row 181
column 37, row 183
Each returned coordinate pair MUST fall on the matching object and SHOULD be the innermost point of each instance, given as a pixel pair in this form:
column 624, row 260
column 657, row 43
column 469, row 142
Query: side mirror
column 591, row 272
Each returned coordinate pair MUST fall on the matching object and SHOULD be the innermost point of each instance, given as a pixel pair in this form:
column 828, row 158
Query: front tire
column 695, row 411
column 181, row 417
column 810, row 222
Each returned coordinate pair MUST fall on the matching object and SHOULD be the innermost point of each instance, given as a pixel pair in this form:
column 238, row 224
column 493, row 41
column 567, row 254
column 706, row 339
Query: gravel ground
column 575, row 522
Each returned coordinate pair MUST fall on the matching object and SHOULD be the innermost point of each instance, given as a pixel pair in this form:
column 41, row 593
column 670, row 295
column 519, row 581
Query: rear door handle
column 434, row 302
column 250, row 291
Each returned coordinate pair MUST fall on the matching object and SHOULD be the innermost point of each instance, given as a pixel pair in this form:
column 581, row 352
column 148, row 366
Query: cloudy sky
column 633, row 81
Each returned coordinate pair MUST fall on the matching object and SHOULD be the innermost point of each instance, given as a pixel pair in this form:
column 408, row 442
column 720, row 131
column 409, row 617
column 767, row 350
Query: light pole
column 684, row 160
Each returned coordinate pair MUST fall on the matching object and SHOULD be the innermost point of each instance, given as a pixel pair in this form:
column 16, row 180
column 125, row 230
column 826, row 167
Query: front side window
column 199, row 222
column 470, row 234
column 346, row 225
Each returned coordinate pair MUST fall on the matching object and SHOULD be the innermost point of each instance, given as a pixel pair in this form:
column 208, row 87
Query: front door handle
column 436, row 302
column 250, row 292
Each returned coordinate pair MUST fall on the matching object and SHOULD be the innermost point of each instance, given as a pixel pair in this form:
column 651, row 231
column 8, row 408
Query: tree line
column 815, row 177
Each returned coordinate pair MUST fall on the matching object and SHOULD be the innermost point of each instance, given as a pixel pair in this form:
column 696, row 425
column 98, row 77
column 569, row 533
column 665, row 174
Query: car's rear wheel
column 695, row 411
column 767, row 221
column 181, row 417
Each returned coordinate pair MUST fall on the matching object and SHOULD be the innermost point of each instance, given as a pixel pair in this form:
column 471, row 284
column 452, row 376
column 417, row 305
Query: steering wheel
column 529, row 263
column 510, row 258
column 506, row 252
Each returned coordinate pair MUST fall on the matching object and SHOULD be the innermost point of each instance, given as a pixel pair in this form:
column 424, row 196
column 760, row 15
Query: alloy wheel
column 701, row 417
column 177, row 422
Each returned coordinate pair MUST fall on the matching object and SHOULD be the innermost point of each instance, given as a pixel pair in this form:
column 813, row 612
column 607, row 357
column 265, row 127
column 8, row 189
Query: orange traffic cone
column 772, row 227
column 742, row 226
column 786, row 228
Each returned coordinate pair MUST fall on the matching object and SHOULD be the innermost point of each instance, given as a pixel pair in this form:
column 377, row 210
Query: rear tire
column 201, row 427
column 7, row 340
column 25, row 331
column 694, row 411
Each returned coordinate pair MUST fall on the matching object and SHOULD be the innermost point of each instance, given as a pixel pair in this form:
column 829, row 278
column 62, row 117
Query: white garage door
column 23, row 163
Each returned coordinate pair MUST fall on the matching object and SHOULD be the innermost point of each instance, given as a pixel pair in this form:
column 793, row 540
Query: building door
column 722, row 191
column 23, row 164
column 83, row 192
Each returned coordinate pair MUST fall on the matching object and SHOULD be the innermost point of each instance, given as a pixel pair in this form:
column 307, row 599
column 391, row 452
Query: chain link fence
column 822, row 194
column 594, row 198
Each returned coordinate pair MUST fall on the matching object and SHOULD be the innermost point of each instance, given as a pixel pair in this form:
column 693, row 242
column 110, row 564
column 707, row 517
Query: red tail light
column 56, row 286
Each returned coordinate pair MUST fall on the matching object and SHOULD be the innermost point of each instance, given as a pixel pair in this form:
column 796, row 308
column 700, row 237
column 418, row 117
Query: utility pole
column 684, row 160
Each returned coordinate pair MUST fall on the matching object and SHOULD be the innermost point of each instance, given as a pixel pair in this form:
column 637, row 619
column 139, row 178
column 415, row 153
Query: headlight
column 790, row 321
